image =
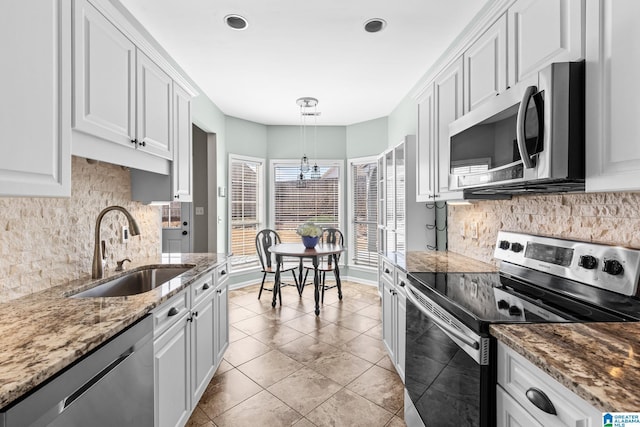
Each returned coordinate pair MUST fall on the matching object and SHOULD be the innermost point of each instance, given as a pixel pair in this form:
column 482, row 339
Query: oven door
column 449, row 377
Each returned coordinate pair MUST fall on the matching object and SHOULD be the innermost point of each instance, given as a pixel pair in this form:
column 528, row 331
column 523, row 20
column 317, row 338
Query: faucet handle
column 120, row 266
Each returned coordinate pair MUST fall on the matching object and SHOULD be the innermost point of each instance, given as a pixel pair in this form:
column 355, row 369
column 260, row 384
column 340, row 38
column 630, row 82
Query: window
column 364, row 198
column 246, row 178
column 171, row 215
column 316, row 198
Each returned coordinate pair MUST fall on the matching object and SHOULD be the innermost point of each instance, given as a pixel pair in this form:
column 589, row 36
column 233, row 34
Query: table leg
column 316, row 284
column 300, row 283
column 276, row 282
column 336, row 271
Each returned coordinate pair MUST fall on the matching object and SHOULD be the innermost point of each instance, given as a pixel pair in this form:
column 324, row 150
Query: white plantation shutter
column 364, row 179
column 317, row 200
column 245, row 178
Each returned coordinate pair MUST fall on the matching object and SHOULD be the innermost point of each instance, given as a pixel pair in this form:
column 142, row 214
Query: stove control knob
column 516, row 247
column 515, row 311
column 612, row 267
column 504, row 244
column 503, row 305
column 588, row 261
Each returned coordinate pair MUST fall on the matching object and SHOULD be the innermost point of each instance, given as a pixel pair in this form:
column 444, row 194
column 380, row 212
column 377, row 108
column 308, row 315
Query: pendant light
column 305, row 104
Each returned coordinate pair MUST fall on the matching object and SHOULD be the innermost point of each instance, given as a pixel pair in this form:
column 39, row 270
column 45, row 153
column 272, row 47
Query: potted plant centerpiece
column 310, row 234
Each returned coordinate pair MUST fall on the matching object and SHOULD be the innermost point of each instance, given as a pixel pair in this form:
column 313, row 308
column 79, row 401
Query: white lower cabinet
column 394, row 313
column 520, row 383
column 191, row 335
column 171, row 371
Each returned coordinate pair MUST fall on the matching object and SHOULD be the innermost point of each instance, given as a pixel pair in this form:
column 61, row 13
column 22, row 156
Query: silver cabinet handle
column 541, row 400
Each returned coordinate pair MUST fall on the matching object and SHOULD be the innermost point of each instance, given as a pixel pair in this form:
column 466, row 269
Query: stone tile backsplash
column 46, row 242
column 611, row 218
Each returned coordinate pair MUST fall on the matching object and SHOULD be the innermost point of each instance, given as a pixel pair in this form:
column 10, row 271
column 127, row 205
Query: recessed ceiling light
column 375, row 25
column 236, row 22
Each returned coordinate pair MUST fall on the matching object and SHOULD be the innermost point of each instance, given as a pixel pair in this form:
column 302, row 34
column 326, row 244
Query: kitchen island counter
column 44, row 332
column 599, row 362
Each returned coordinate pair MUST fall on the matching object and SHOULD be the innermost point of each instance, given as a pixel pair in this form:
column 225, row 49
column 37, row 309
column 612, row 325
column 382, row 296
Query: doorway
column 176, row 228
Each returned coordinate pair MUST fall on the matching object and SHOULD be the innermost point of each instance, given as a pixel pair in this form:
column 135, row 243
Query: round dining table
column 298, row 250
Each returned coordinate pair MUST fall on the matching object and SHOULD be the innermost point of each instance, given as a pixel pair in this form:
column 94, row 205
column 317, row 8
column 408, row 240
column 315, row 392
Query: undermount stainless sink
column 135, row 282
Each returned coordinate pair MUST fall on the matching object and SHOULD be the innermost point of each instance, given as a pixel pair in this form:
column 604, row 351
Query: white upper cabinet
column 485, row 66
column 123, row 98
column 448, row 107
column 182, row 143
column 425, row 177
column 104, row 77
column 542, row 32
column 35, row 40
column 153, row 100
column 612, row 103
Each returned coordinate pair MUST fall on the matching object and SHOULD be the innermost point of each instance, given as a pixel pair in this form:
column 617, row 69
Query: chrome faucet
column 97, row 270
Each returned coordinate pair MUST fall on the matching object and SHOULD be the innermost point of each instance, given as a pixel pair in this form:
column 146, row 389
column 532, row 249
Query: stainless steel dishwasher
column 111, row 386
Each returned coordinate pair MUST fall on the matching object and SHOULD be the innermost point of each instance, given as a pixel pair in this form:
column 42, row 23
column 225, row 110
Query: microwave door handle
column 520, row 135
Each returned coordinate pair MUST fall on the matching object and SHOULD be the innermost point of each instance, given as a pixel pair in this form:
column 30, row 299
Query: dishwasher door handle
column 446, row 327
column 86, row 386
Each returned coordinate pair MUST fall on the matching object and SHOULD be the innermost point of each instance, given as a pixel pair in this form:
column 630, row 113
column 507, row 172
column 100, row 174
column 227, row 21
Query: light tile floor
column 285, row 366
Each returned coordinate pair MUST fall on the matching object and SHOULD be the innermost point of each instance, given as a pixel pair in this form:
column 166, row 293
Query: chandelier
column 308, row 107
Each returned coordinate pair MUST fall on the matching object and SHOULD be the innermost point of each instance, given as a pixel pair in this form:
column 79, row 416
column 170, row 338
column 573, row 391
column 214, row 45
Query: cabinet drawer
column 170, row 312
column 387, row 270
column 201, row 288
column 222, row 274
column 517, row 375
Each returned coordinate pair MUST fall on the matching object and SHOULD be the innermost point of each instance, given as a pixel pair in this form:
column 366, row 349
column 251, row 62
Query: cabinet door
column 104, row 78
column 612, row 105
column 425, row 176
column 182, row 143
column 485, row 65
column 153, row 103
column 388, row 318
column 222, row 321
column 542, row 32
column 400, row 197
column 171, row 370
column 509, row 413
column 203, row 351
column 34, row 113
column 448, row 107
column 401, row 331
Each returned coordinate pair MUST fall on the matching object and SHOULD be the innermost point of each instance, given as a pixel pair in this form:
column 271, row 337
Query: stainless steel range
column 450, row 356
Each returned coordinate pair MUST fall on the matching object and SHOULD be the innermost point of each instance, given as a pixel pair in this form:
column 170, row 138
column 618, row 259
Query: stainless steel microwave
column 529, row 139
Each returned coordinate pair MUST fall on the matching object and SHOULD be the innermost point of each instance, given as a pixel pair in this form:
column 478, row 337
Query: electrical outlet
column 474, row 230
column 125, row 234
column 462, row 230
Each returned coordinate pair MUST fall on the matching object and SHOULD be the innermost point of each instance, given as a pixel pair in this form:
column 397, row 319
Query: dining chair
column 326, row 264
column 264, row 240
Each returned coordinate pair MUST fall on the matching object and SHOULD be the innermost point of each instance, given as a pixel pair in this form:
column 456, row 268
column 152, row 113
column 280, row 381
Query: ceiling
column 294, row 48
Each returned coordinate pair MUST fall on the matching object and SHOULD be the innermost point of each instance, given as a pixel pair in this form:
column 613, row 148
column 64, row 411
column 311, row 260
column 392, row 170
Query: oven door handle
column 446, row 327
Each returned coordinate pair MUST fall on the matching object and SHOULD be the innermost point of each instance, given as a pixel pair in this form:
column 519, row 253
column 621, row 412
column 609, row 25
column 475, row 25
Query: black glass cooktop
column 479, row 299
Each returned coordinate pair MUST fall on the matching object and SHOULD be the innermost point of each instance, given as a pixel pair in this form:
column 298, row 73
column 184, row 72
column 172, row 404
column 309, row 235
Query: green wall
column 367, row 138
column 323, row 142
column 403, row 121
column 246, row 138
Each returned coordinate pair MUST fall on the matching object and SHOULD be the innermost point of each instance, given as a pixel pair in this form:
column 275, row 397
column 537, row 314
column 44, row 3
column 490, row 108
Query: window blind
column 365, row 213
column 245, row 179
column 315, row 199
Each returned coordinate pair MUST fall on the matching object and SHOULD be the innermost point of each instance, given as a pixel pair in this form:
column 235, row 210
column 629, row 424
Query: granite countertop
column 46, row 331
column 597, row 361
column 444, row 262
